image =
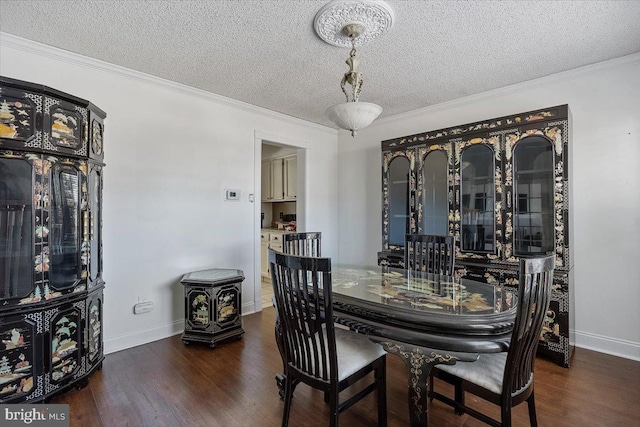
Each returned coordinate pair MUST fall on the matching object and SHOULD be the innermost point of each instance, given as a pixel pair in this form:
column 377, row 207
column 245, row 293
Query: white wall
column 605, row 103
column 171, row 151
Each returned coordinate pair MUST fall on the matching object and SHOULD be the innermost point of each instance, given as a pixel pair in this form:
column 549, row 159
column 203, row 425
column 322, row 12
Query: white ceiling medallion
column 353, row 23
column 375, row 16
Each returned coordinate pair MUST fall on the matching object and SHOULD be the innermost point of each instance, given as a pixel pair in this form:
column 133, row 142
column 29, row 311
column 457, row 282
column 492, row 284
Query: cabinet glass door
column 95, row 233
column 435, row 200
column 64, row 222
column 533, row 188
column 477, row 195
column 16, row 234
column 399, row 171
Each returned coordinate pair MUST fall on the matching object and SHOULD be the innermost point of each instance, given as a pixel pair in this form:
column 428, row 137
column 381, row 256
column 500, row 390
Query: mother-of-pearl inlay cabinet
column 501, row 188
column 51, row 286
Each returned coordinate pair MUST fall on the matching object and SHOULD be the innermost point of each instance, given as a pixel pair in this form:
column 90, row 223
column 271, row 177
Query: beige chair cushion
column 487, row 371
column 355, row 351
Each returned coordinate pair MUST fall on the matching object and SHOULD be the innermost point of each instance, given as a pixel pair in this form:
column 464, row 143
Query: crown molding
column 597, row 68
column 37, row 48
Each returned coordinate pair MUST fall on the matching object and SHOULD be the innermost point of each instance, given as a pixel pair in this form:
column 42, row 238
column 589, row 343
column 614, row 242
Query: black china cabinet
column 51, row 286
column 501, row 188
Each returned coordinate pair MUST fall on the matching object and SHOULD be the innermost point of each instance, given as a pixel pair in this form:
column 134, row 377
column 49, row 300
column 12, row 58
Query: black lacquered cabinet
column 50, row 241
column 212, row 305
column 501, row 187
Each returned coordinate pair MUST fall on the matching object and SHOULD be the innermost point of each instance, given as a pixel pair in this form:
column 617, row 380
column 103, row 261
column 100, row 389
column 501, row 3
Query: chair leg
column 380, row 378
column 505, row 411
column 333, row 407
column 532, row 411
column 288, row 396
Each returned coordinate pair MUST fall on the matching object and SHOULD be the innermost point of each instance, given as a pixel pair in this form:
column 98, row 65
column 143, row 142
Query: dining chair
column 506, row 379
column 302, row 244
column 429, row 253
column 316, row 353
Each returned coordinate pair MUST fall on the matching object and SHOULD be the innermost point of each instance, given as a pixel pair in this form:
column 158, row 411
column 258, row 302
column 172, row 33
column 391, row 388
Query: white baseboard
column 155, row 334
column 143, row 337
column 608, row 345
column 250, row 307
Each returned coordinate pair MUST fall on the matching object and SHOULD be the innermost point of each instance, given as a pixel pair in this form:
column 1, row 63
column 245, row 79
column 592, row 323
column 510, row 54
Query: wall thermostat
column 232, row 195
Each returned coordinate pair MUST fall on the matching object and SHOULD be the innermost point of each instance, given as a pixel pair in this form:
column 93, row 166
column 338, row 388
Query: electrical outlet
column 280, row 215
column 143, row 307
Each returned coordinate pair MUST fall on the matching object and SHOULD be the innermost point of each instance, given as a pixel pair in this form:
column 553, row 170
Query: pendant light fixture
column 347, row 23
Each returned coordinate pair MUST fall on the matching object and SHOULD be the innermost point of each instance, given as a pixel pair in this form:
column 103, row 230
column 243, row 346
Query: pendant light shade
column 353, row 116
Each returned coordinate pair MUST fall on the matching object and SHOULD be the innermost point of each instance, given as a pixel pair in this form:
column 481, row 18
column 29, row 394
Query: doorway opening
column 279, row 207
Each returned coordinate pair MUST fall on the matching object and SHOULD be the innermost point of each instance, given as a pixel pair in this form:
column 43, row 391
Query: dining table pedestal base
column 419, row 361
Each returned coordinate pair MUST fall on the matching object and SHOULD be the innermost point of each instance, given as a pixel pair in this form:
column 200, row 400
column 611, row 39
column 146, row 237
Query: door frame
column 301, row 190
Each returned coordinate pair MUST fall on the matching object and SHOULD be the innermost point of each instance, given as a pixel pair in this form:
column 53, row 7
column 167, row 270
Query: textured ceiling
column 266, row 53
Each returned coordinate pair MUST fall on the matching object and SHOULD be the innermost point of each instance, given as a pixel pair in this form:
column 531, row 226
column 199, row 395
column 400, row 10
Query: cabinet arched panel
column 476, row 218
column 434, row 191
column 533, row 188
column 537, row 193
column 477, row 199
column 398, row 192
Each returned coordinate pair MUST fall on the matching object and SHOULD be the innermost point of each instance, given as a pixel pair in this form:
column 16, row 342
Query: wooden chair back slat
column 302, row 244
column 429, row 253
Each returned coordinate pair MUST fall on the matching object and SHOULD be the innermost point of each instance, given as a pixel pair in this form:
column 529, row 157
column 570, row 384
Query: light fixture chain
column 353, row 76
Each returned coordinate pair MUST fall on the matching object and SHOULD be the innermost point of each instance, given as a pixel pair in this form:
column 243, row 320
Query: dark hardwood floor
column 167, row 383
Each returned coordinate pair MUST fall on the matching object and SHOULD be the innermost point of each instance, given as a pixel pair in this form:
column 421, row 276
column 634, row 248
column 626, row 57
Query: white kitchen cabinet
column 290, row 177
column 279, row 179
column 275, row 241
column 265, row 181
column 269, row 240
column 264, row 254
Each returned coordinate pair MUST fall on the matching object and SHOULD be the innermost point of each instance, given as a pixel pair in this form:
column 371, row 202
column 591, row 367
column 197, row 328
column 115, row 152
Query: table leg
column 419, row 361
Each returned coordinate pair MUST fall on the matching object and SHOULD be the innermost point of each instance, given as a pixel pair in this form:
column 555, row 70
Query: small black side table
column 212, row 305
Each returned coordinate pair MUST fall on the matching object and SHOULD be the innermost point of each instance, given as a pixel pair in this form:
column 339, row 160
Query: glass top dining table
column 426, row 319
